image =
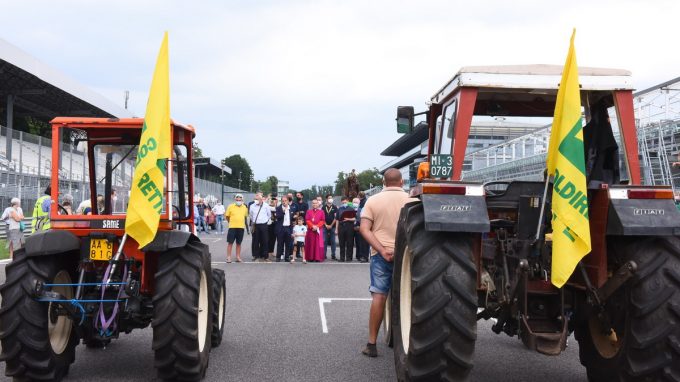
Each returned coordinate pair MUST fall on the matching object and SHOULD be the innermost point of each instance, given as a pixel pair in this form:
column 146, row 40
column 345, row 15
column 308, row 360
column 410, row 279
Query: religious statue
column 351, row 188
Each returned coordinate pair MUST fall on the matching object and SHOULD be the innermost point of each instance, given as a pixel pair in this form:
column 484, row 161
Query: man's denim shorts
column 381, row 275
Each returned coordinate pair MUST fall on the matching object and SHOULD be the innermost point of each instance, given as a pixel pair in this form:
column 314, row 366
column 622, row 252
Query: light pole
column 222, row 176
column 239, row 180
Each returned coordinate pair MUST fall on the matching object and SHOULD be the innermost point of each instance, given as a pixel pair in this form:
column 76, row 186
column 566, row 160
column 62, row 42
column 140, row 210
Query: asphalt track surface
column 274, row 332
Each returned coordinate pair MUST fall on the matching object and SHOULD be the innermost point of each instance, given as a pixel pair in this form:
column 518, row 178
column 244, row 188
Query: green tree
column 273, row 183
column 240, row 169
column 307, row 193
column 37, row 127
column 325, row 190
column 197, row 152
column 339, row 183
column 318, row 190
column 369, row 178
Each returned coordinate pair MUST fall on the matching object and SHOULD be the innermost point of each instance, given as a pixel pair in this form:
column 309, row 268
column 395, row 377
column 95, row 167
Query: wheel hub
column 59, row 326
column 202, row 316
column 221, row 308
column 405, row 299
column 607, row 345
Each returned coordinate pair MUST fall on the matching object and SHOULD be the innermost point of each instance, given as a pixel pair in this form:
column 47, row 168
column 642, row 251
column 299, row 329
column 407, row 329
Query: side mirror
column 405, row 119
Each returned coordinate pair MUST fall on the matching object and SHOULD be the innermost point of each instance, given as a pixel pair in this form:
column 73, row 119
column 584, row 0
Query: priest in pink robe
column 315, row 219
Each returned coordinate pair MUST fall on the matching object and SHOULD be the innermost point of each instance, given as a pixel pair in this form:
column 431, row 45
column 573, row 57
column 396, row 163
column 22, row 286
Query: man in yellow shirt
column 236, row 216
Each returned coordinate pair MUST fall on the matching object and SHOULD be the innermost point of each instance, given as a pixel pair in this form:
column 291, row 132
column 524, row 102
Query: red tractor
column 81, row 281
column 467, row 251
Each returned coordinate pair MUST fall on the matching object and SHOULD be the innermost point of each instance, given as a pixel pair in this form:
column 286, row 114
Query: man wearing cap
column 236, row 216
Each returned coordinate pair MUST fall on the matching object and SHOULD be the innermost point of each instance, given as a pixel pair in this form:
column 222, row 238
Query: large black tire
column 434, row 272
column 182, row 313
column 387, row 321
column 645, row 314
column 219, row 303
column 35, row 345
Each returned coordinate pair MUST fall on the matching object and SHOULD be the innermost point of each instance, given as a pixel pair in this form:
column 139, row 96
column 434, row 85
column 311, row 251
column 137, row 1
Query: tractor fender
column 455, row 213
column 657, row 217
column 166, row 240
column 51, row 242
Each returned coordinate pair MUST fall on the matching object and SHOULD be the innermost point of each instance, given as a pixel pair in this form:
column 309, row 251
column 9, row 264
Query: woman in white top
column 13, row 215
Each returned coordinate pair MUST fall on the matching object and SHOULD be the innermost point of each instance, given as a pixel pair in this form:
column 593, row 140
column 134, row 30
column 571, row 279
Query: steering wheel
column 492, row 192
column 61, row 210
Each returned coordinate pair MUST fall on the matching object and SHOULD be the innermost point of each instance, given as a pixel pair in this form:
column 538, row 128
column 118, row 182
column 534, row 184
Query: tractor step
column 548, row 337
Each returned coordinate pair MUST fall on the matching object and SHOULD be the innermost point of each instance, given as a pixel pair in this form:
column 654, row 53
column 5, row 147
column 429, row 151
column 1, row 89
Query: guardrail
column 27, row 229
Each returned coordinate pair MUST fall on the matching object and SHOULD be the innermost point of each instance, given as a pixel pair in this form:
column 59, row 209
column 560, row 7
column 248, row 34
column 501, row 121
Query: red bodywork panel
column 466, row 108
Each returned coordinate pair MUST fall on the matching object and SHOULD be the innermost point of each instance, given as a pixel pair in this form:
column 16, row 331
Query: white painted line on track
column 5, row 261
column 322, row 311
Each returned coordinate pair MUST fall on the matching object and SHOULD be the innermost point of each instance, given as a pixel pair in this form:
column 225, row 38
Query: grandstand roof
column 407, row 141
column 44, row 92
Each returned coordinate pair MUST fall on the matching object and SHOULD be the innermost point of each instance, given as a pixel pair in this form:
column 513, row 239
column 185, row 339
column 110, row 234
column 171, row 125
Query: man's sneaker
column 370, row 350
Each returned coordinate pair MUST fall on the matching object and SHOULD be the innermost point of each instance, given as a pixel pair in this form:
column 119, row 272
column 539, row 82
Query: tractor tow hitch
column 506, row 308
column 625, row 272
column 597, row 297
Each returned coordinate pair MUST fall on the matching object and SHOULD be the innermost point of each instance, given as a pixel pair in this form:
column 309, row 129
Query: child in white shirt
column 299, row 233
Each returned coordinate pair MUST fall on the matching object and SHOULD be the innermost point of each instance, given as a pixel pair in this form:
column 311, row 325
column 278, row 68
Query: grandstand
column 32, row 89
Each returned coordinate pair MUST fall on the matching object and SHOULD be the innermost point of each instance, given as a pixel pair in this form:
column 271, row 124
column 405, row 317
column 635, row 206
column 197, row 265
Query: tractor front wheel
column 38, row 343
column 182, row 313
column 434, row 301
column 645, row 316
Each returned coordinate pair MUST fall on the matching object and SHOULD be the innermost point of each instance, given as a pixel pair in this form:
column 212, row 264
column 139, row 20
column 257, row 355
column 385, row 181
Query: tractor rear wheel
column 37, row 343
column 645, row 316
column 182, row 313
column 434, row 301
column 387, row 321
column 219, row 299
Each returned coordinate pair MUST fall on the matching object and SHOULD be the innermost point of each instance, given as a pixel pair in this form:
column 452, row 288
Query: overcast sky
column 304, row 89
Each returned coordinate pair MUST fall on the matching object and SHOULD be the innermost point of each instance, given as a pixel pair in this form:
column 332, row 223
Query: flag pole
column 116, row 257
column 542, row 213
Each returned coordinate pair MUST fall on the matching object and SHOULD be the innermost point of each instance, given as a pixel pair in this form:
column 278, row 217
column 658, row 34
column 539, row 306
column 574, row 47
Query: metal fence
column 28, row 172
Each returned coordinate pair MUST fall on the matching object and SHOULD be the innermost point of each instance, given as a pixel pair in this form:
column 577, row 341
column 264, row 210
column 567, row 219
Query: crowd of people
column 288, row 228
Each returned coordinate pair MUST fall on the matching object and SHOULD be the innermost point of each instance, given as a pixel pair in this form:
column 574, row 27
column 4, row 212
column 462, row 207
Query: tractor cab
column 523, row 92
column 102, row 153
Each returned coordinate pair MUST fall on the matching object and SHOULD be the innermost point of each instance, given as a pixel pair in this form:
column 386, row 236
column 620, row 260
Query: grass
column 4, row 251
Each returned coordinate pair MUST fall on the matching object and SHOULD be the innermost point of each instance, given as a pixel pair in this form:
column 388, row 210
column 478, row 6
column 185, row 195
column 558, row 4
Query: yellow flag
column 566, row 162
column 146, row 196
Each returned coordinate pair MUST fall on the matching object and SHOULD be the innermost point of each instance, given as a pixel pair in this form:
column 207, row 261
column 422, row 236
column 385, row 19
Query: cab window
column 444, row 140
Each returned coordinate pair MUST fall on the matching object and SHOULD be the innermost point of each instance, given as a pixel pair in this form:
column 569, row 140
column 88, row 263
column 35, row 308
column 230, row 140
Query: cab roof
column 535, row 79
column 112, row 123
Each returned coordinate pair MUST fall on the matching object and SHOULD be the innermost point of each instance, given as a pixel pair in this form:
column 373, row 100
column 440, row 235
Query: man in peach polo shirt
column 379, row 219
